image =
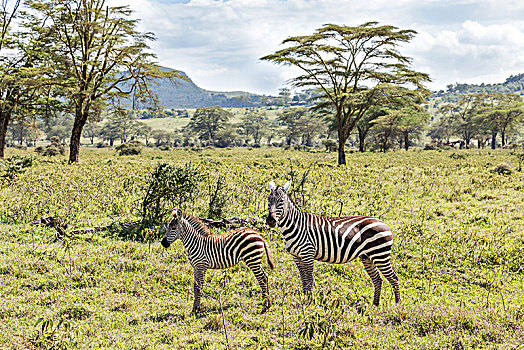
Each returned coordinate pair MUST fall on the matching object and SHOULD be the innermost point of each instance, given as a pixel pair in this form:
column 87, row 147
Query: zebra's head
column 277, row 203
column 173, row 229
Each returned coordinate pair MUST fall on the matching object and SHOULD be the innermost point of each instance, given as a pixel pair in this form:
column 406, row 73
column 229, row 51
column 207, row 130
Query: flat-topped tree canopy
column 354, row 67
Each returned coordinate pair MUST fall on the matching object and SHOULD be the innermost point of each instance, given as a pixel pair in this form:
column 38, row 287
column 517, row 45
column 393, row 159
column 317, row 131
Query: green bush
column 502, row 169
column 218, row 197
column 331, row 145
column 168, row 186
column 17, row 165
column 131, row 148
column 55, row 148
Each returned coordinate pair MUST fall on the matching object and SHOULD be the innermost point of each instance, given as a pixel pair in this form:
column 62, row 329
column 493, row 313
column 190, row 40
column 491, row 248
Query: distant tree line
column 489, row 118
column 477, row 120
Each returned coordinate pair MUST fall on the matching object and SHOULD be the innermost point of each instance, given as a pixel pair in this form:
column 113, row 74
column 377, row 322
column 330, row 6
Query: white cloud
column 473, row 53
column 219, row 42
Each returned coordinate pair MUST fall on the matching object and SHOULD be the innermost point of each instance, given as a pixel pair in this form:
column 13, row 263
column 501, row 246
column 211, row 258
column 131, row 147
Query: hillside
column 186, row 94
column 513, row 84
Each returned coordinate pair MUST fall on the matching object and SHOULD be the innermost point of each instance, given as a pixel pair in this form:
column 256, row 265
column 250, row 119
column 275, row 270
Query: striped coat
column 337, row 240
column 207, row 251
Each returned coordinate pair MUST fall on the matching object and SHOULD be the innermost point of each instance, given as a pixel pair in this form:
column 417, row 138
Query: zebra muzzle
column 165, row 243
column 270, row 220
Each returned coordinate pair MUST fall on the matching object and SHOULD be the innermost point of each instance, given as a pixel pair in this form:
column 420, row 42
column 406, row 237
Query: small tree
column 462, row 115
column 143, row 130
column 385, row 129
column 499, row 113
column 413, row 120
column 162, row 137
column 290, row 118
column 130, row 148
column 226, row 137
column 366, row 123
column 55, row 148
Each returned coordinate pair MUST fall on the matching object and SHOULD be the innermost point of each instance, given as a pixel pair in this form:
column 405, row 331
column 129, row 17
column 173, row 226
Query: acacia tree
column 290, row 119
column 97, row 54
column 366, row 123
column 385, row 129
column 351, row 66
column 441, row 130
column 254, row 124
column 462, row 114
column 208, row 120
column 413, row 120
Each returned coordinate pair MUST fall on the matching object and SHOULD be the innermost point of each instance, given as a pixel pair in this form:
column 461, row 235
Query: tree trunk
column 74, row 146
column 341, row 152
column 503, row 137
column 406, row 141
column 361, row 140
column 4, row 121
column 493, row 140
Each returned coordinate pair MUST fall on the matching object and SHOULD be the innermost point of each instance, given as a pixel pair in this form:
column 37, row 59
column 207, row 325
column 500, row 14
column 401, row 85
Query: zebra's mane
column 197, row 225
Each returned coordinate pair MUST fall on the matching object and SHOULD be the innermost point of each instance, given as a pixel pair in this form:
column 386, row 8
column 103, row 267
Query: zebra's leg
column 384, row 265
column 262, row 279
column 373, row 273
column 198, row 287
column 305, row 267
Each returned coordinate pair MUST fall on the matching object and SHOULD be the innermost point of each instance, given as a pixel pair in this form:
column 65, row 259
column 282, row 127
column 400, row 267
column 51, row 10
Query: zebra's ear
column 287, row 186
column 174, row 213
column 272, row 185
column 179, row 213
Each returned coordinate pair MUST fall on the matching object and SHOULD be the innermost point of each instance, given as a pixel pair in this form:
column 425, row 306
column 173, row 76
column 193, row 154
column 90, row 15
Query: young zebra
column 337, row 240
column 219, row 251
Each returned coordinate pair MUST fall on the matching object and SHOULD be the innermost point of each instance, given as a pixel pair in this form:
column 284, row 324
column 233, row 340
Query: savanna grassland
column 457, row 217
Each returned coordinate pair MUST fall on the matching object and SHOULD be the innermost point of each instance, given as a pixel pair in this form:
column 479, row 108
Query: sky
column 218, row 43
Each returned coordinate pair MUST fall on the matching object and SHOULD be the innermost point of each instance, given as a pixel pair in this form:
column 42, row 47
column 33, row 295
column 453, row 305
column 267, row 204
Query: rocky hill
column 186, row 94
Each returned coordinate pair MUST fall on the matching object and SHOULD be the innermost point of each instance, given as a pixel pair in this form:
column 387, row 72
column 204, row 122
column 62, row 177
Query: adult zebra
column 337, row 240
column 219, row 251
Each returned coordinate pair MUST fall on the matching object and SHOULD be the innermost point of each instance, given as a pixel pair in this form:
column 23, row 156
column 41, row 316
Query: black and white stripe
column 219, row 251
column 337, row 240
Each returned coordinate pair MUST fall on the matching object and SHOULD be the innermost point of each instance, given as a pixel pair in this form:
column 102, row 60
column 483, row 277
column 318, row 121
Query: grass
column 458, row 250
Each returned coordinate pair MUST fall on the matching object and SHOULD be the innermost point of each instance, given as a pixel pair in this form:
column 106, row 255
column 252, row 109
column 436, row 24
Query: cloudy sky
column 218, row 43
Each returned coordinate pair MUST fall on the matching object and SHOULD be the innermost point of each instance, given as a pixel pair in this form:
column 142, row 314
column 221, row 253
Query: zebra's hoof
column 265, row 307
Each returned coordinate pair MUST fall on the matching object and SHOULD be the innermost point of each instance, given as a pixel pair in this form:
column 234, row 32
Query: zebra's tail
column 270, row 261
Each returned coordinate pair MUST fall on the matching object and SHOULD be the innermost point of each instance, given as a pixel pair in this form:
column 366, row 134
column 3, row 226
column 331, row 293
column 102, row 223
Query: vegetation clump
column 55, row 148
column 168, row 186
column 15, row 165
column 503, row 169
column 131, row 148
